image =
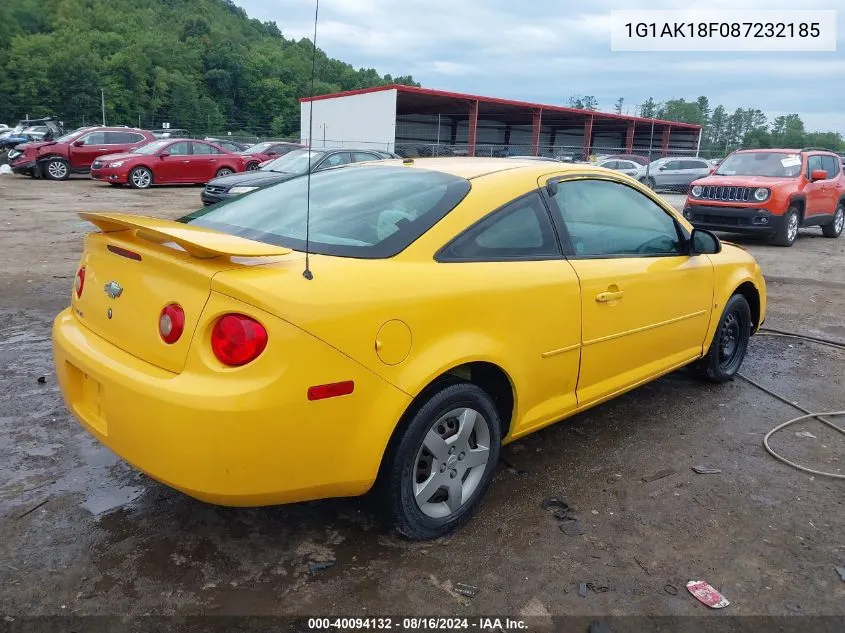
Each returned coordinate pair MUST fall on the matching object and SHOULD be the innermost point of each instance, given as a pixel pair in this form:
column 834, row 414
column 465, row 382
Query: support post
column 536, row 125
column 588, row 137
column 629, row 137
column 664, row 147
column 473, row 127
column 698, row 145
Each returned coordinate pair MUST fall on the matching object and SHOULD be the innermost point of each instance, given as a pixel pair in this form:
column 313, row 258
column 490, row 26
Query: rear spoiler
column 197, row 241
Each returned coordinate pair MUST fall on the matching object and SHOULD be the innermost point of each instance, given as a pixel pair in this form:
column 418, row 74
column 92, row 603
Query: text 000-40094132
column 723, row 30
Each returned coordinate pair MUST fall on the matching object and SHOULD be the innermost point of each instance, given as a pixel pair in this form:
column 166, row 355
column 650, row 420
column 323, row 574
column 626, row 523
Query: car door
column 669, row 173
column 84, row 150
column 816, row 192
column 532, row 304
column 204, row 159
column 645, row 303
column 832, row 186
column 173, row 164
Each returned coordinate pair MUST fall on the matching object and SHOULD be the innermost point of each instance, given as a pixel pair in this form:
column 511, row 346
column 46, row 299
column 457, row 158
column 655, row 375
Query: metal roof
column 428, row 92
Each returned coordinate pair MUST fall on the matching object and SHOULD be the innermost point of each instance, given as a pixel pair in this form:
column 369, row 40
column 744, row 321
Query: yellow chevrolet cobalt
column 453, row 305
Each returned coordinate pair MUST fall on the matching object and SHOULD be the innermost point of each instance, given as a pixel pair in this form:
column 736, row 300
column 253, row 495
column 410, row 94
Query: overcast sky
column 545, row 51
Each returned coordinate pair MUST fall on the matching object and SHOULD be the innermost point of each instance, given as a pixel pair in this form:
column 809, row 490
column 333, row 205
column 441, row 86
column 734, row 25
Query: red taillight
column 332, row 390
column 79, row 282
column 171, row 323
column 238, row 339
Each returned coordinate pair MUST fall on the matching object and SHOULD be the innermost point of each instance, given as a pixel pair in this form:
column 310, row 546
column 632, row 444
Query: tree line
column 196, row 64
column 725, row 131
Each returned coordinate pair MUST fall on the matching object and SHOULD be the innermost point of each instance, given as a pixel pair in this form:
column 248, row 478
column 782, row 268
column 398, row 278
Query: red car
column 268, row 150
column 74, row 152
column 167, row 161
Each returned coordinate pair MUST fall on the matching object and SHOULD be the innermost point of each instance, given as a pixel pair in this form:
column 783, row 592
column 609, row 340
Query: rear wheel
column 437, row 471
column 56, row 169
column 788, row 231
column 834, row 227
column 224, row 171
column 140, row 178
column 252, row 167
column 730, row 342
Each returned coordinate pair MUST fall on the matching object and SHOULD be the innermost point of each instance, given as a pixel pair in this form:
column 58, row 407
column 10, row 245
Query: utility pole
column 103, row 101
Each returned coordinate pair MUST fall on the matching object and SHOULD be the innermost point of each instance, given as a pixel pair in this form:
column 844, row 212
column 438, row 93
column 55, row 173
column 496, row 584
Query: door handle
column 604, row 297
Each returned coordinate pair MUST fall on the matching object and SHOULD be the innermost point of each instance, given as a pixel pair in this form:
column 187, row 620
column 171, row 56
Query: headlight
column 116, row 163
column 13, row 153
column 761, row 194
column 696, row 191
column 237, row 190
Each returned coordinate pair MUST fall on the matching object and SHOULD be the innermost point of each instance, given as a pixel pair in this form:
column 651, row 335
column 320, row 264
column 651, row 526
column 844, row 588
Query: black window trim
column 563, row 232
column 489, row 219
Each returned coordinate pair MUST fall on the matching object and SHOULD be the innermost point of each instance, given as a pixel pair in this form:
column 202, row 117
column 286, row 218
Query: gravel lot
column 83, row 533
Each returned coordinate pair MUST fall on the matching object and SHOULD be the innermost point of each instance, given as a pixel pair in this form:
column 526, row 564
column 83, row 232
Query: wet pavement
column 81, row 532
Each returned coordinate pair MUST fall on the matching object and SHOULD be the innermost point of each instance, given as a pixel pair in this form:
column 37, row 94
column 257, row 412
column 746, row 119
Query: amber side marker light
column 332, row 390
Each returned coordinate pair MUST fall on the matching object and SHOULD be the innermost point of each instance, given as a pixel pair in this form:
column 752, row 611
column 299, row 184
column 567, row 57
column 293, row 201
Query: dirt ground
column 82, row 533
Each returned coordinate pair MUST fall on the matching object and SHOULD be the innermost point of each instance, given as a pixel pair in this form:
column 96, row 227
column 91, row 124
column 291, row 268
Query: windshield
column 772, row 164
column 257, row 149
column 365, row 212
column 67, row 138
column 295, row 162
column 150, row 148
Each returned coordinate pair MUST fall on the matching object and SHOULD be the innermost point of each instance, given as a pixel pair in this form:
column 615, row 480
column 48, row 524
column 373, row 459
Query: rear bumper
column 732, row 219
column 242, row 437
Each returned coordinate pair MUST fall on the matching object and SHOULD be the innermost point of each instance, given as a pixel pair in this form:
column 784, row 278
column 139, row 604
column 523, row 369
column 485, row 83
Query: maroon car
column 167, row 161
column 74, row 152
column 268, row 150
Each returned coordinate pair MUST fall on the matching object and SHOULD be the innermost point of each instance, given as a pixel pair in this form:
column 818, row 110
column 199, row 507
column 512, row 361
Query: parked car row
column 140, row 158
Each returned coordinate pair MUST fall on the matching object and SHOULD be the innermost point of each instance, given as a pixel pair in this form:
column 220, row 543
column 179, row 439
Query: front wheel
column 252, row 167
column 788, row 231
column 834, row 227
column 730, row 342
column 224, row 171
column 56, row 169
column 438, row 470
column 140, row 178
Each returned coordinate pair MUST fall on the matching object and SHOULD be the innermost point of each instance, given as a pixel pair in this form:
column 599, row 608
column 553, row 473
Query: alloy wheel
column 792, row 227
column 839, row 219
column 450, row 464
column 57, row 169
column 141, row 178
column 224, row 172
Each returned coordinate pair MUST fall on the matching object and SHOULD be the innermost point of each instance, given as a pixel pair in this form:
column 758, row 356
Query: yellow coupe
column 447, row 306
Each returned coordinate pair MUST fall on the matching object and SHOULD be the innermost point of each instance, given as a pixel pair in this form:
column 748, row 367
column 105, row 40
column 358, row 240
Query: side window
column 96, row 138
column 626, row 164
column 341, row 158
column 178, row 149
column 831, row 166
column 520, row 230
column 609, row 219
column 611, row 164
column 814, row 162
column 693, row 164
column 202, row 148
column 672, row 164
column 363, row 157
column 281, row 150
column 122, row 138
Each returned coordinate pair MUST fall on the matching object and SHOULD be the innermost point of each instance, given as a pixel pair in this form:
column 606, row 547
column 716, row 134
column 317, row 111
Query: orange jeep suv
column 771, row 192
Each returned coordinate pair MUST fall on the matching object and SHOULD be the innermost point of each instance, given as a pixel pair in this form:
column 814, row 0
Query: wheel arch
column 752, row 295
column 798, row 200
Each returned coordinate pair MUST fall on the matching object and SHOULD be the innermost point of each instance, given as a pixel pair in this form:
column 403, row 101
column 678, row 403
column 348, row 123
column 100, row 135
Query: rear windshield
column 359, row 211
column 774, row 164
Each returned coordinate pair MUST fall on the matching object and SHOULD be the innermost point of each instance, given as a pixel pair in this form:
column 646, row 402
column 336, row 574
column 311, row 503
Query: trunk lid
column 136, row 266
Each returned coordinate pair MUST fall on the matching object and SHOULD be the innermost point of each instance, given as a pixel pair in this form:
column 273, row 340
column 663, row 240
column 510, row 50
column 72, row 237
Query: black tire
column 785, row 235
column 55, row 169
column 224, row 171
column 400, row 469
column 730, row 342
column 834, row 227
column 140, row 178
column 252, row 167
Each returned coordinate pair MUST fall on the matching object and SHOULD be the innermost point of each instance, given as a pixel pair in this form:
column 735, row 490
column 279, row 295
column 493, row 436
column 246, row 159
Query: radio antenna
column 307, row 272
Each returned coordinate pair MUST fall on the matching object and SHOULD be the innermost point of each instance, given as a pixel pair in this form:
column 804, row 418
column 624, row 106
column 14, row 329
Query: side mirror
column 818, row 174
column 663, row 168
column 164, row 155
column 703, row 242
column 79, row 143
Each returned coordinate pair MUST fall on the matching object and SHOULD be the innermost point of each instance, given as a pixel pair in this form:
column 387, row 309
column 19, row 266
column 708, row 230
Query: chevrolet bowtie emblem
column 113, row 289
